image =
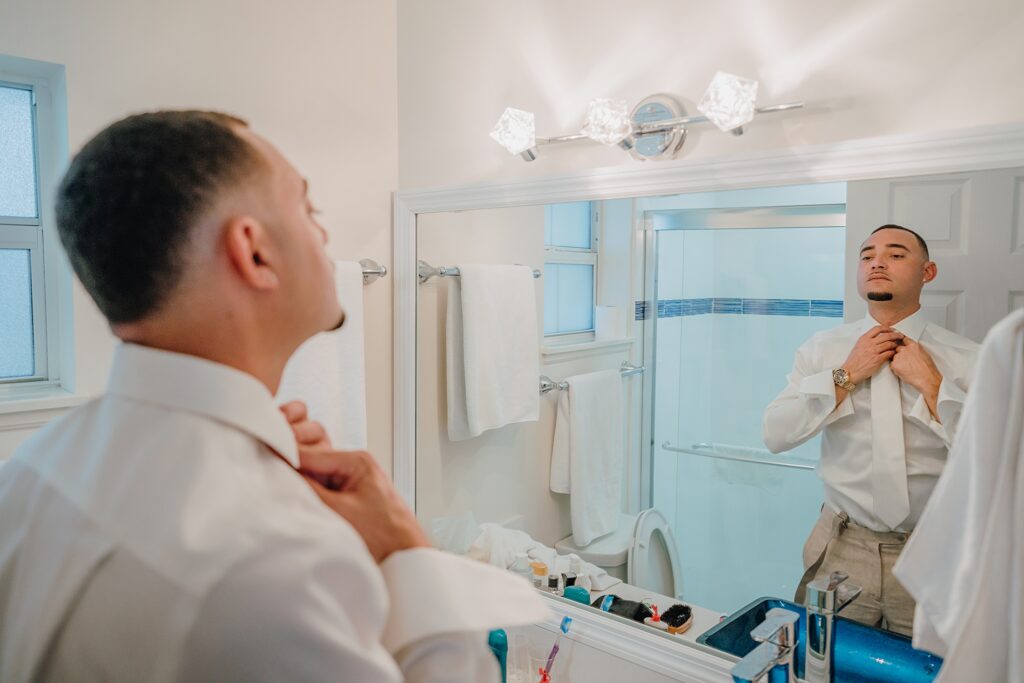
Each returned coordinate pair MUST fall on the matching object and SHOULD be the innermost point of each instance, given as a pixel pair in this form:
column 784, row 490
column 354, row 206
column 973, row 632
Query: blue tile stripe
column 642, row 311
column 674, row 308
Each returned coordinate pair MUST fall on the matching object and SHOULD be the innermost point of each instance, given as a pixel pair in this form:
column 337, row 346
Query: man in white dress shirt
column 886, row 393
column 173, row 529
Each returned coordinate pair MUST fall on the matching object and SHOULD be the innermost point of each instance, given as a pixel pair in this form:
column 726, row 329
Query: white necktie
column 888, row 462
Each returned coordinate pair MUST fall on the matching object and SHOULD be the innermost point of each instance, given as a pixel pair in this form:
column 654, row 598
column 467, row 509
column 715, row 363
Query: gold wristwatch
column 842, row 379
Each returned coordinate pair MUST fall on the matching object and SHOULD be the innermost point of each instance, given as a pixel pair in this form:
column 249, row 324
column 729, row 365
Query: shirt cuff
column 435, row 593
column 949, row 393
column 822, row 385
column 948, row 403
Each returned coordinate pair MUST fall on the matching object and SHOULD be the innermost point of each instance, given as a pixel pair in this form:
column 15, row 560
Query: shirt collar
column 188, row 383
column 912, row 326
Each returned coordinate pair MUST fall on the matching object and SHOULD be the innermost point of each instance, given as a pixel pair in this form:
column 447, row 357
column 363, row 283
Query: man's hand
column 352, row 484
column 913, row 365
column 875, row 347
column 310, row 435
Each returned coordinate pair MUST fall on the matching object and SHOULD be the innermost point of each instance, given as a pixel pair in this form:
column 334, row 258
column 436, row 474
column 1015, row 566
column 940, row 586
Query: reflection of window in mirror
column 570, row 269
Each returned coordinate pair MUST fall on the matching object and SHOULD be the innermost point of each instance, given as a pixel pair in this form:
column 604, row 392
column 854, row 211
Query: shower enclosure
column 732, row 295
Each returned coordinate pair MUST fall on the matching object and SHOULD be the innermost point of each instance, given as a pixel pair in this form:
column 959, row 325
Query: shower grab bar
column 705, row 450
column 425, row 271
column 372, row 270
column 547, row 384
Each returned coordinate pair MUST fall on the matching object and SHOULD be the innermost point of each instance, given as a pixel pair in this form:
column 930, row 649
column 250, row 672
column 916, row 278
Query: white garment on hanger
column 964, row 564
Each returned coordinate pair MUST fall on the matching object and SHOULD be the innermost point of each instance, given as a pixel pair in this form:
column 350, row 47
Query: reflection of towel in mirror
column 964, row 563
column 586, row 455
column 492, row 349
column 498, row 546
column 328, row 372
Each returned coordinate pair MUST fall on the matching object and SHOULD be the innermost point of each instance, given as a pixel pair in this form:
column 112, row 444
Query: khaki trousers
column 837, row 544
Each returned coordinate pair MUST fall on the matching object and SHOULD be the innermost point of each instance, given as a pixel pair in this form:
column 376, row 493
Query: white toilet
column 641, row 551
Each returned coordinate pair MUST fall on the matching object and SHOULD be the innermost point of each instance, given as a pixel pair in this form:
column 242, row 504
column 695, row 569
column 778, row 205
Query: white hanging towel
column 493, row 349
column 328, row 372
column 964, row 563
column 586, row 455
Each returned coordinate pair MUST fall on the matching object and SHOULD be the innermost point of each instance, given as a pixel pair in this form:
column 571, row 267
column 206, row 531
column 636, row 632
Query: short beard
column 879, row 296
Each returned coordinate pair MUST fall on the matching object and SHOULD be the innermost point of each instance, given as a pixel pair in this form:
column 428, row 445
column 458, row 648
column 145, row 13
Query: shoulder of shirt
column 50, row 428
column 840, row 332
column 272, row 506
column 943, row 336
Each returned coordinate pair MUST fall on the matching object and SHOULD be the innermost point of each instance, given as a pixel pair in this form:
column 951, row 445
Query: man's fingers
column 294, row 411
column 309, row 432
column 342, row 469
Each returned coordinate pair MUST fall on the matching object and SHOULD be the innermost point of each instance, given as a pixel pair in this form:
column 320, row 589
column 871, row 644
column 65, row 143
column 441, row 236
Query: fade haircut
column 127, row 204
column 920, row 240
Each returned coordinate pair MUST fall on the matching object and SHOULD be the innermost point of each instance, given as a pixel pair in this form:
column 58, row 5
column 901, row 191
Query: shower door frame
column 756, row 214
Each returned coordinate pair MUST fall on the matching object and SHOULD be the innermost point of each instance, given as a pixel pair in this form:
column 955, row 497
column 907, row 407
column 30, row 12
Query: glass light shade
column 729, row 101
column 515, row 131
column 607, row 121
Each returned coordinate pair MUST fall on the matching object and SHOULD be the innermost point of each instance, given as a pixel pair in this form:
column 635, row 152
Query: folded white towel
column 493, row 349
column 964, row 563
column 586, row 455
column 498, row 545
column 328, row 372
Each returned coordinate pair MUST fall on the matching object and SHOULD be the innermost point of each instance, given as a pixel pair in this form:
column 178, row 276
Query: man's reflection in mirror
column 885, row 392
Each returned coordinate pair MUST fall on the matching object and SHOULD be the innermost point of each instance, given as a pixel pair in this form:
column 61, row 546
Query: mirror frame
column 951, row 151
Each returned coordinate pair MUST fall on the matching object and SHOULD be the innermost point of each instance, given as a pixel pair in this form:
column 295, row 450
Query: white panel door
column 974, row 226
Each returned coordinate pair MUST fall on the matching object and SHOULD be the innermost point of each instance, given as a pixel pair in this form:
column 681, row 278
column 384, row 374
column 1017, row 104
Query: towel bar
column 425, row 271
column 372, row 270
column 705, row 450
column 547, row 384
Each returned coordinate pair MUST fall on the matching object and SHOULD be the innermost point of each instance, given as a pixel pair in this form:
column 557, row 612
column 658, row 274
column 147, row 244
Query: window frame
column 50, row 272
column 558, row 255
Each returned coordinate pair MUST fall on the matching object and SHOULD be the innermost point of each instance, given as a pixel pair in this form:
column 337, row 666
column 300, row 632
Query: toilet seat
column 645, row 544
column 653, row 560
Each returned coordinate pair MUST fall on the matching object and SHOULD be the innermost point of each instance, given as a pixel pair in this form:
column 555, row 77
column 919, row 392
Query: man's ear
column 248, row 246
column 930, row 271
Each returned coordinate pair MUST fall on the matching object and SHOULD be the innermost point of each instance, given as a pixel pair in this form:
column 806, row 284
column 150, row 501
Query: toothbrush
column 563, row 629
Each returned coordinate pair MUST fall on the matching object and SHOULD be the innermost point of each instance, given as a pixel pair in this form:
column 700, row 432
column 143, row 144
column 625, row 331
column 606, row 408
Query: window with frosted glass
column 17, row 154
column 567, row 225
column 17, row 353
column 570, row 265
column 568, row 298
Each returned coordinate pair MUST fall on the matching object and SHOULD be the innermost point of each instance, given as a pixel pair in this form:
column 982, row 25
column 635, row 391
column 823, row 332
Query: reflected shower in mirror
column 677, row 484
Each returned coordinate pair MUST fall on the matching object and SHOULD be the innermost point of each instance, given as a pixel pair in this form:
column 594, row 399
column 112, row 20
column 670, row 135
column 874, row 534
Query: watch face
column 840, row 376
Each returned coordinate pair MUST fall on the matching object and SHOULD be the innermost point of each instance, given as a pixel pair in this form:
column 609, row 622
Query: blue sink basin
column 862, row 654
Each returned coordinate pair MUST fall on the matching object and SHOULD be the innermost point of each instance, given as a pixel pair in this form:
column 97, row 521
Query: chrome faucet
column 772, row 660
column 826, row 597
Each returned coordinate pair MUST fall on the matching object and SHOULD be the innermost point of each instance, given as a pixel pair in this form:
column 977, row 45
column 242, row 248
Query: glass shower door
column 733, row 305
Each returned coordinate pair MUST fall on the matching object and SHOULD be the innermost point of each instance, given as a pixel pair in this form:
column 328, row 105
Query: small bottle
column 540, row 572
column 575, row 564
column 554, row 584
column 521, row 566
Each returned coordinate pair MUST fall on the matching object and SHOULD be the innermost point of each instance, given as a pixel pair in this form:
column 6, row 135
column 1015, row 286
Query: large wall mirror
column 695, row 303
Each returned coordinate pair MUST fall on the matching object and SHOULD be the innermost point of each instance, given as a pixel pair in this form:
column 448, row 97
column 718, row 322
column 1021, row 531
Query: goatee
column 879, row 296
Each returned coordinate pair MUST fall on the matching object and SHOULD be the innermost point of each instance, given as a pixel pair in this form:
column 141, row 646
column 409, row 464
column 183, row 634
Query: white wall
column 863, row 68
column 317, row 78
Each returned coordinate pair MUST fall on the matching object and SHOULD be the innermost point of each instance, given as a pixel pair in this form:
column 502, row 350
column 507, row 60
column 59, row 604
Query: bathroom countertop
column 703, row 619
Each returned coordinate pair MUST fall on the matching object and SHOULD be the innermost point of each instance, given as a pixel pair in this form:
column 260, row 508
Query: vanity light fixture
column 654, row 129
